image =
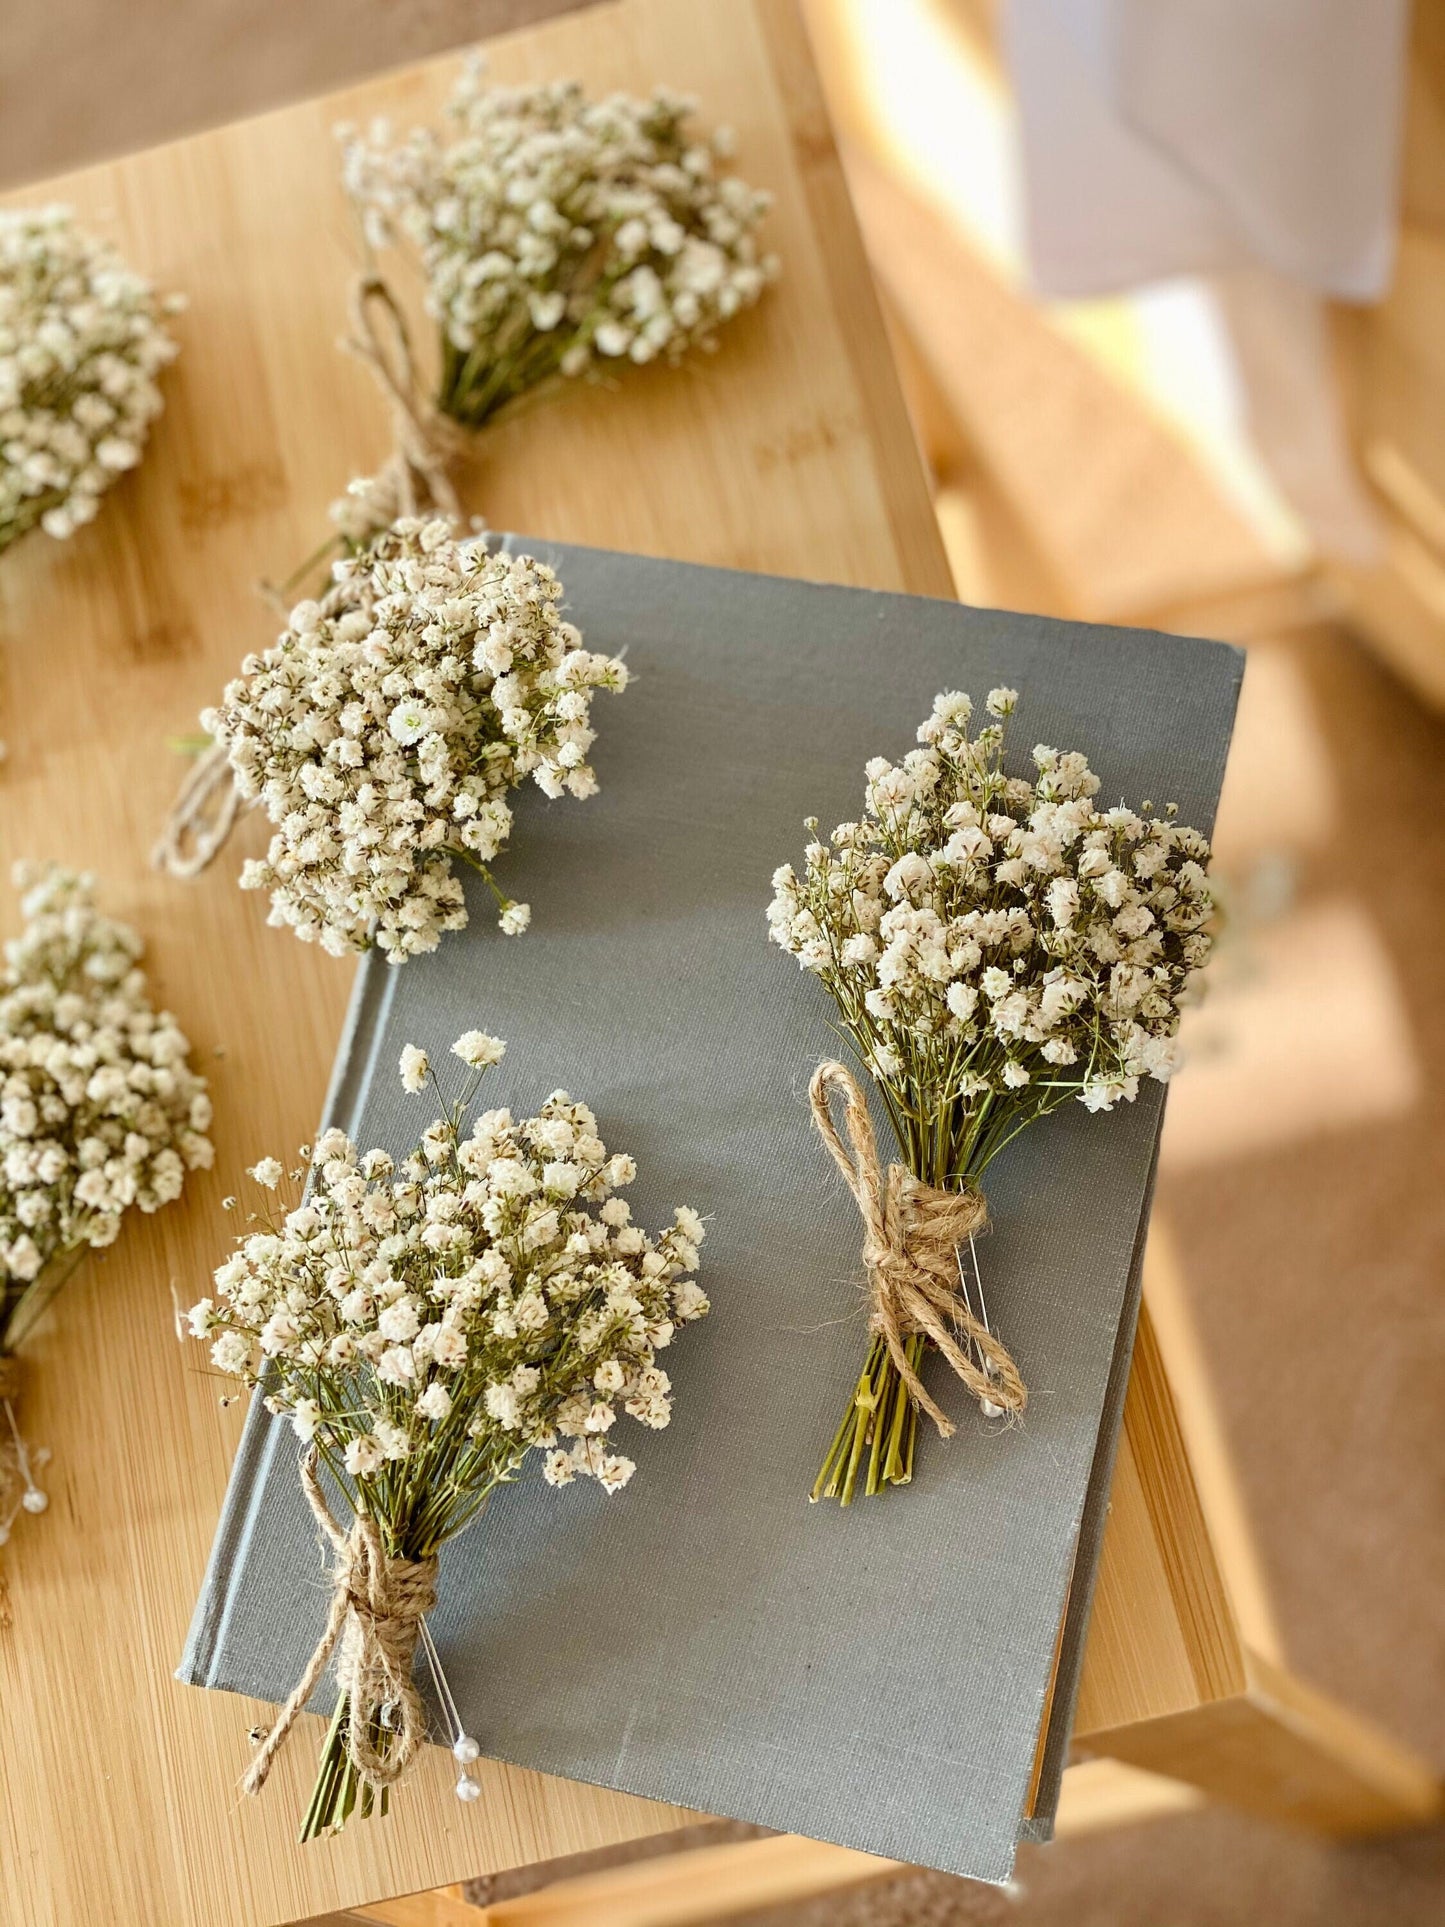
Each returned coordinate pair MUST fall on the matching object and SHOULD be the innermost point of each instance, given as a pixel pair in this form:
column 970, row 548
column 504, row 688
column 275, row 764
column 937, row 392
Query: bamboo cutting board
column 788, row 451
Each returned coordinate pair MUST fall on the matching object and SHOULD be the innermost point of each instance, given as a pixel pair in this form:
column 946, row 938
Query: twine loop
column 416, row 478
column 911, row 1235
column 378, row 1604
column 201, row 818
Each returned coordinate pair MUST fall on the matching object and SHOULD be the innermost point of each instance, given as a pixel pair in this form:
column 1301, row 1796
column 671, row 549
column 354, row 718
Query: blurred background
column 1166, row 280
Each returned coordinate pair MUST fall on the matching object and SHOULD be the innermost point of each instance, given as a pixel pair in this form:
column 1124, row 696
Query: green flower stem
column 22, row 1304
column 879, row 1429
column 328, row 1767
column 27, row 515
column 339, row 1790
column 478, row 392
column 432, row 1516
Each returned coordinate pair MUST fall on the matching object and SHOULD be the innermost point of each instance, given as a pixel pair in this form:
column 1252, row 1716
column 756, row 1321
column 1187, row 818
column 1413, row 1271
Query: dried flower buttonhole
column 99, row 1111
column 995, row 947
column 560, row 239
column 426, row 1324
column 81, row 345
column 383, row 732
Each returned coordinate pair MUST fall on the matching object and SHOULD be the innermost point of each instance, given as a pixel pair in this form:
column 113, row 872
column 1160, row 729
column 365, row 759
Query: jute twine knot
column 377, row 1606
column 911, row 1238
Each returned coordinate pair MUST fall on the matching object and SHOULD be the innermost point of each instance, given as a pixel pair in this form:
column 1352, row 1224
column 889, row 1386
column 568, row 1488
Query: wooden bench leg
column 1286, row 1752
column 1279, row 1749
column 1254, row 1736
column 713, row 1884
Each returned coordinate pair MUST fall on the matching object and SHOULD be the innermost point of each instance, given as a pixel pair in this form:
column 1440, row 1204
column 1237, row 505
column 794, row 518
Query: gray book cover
column 880, row 1676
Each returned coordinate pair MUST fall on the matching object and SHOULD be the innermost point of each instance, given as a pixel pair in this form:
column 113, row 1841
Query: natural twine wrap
column 377, row 1607
column 414, row 480
column 911, row 1238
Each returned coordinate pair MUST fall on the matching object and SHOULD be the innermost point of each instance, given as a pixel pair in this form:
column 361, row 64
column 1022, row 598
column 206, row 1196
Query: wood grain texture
column 721, row 1883
column 1391, row 359
column 1198, row 1703
column 1162, row 1638
column 1201, row 1426
column 788, row 451
column 1285, row 1752
column 120, row 1797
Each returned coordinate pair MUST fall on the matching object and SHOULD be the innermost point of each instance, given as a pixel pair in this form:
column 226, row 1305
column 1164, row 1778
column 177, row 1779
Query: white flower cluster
column 560, row 236
column 99, row 1108
column 996, row 943
column 429, row 1323
column 384, row 729
column 81, row 345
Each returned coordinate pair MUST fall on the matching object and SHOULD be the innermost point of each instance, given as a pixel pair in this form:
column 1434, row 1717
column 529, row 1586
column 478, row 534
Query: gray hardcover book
column 881, row 1676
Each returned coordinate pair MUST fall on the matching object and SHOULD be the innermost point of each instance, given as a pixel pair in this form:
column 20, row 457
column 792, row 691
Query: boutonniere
column 427, row 1325
column 560, row 239
column 82, row 343
column 100, row 1113
column 996, row 946
column 383, row 733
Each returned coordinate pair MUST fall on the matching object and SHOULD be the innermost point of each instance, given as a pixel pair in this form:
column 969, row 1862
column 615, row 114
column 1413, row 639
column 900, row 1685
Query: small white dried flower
column 99, row 1107
column 997, row 945
column 476, row 1048
column 384, row 730
column 469, row 1308
column 81, row 345
column 558, row 233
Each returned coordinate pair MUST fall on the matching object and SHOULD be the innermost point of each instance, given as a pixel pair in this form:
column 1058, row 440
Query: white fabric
column 1165, row 137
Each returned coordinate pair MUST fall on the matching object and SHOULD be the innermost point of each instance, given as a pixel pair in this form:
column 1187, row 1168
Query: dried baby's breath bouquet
column 560, row 238
column 99, row 1111
column 81, row 344
column 384, row 730
column 996, row 947
column 426, row 1325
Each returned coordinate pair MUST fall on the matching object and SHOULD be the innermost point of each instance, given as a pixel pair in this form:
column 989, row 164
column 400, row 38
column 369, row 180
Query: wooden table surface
column 788, row 451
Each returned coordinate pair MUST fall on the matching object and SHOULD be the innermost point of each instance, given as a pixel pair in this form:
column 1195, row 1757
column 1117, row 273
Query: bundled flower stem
column 382, row 734
column 426, row 1325
column 560, row 239
column 995, row 947
column 81, row 344
column 99, row 1111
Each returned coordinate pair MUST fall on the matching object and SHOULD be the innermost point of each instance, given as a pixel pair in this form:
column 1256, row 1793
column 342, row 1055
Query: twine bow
column 911, row 1235
column 377, row 1606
